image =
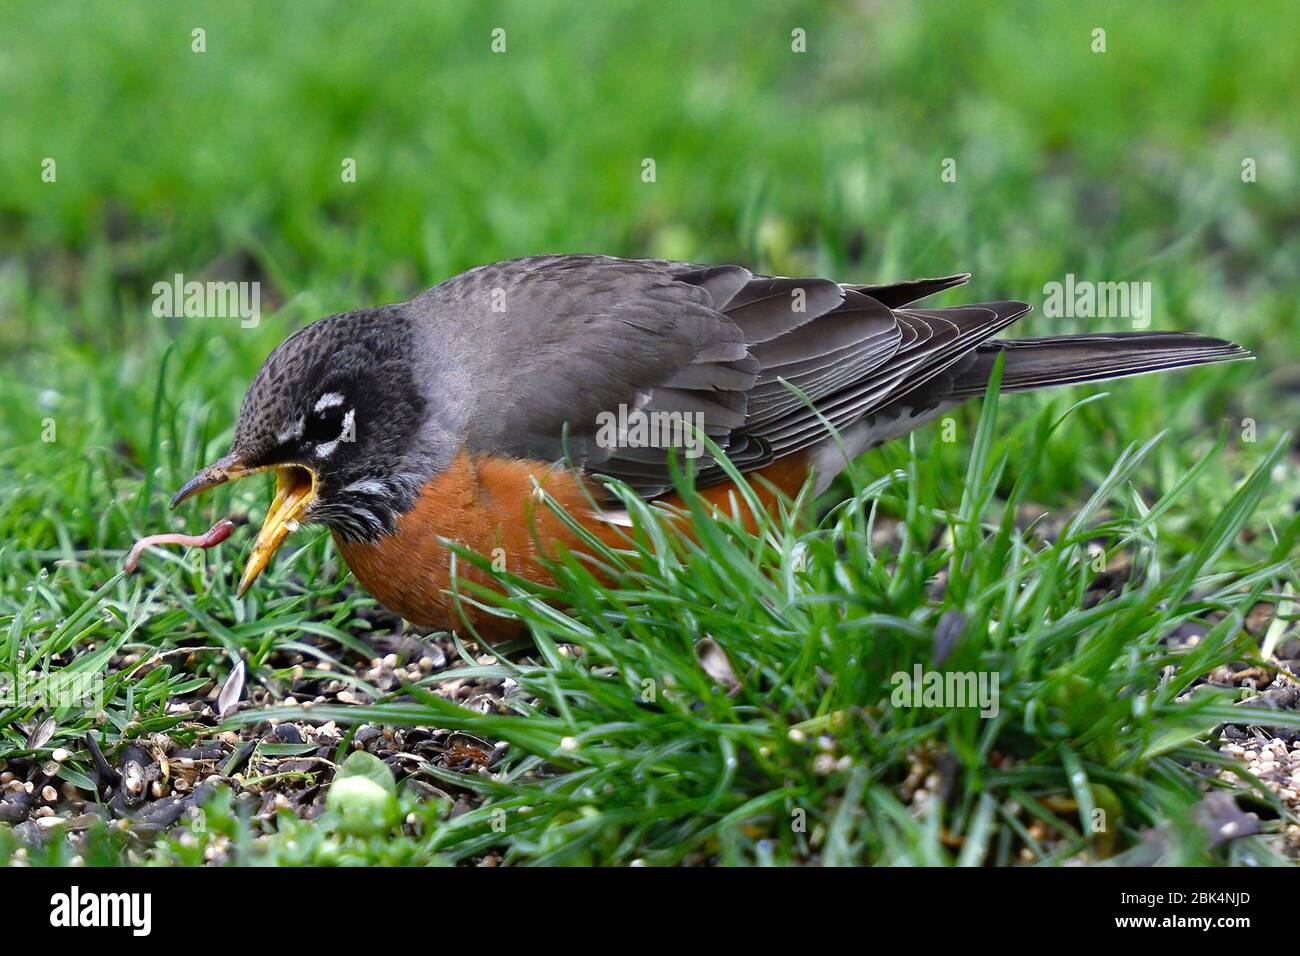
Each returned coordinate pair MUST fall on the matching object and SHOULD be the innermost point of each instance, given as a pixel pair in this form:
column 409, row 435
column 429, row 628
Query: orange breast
column 783, row 478
column 489, row 505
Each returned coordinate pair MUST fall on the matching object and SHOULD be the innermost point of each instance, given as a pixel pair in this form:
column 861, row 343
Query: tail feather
column 1073, row 359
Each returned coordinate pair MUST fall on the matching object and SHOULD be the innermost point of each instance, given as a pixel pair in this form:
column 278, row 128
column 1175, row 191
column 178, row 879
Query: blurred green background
column 1118, row 165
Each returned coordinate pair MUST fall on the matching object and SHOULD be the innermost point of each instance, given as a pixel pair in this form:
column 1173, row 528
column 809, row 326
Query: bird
column 446, row 418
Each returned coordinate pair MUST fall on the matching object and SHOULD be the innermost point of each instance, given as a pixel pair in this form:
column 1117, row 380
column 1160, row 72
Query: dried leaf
column 231, row 690
column 715, row 663
column 42, row 735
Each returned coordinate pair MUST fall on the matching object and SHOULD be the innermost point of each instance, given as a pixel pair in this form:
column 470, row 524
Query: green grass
column 1115, row 166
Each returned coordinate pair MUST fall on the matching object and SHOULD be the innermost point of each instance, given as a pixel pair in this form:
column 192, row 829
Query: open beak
column 295, row 490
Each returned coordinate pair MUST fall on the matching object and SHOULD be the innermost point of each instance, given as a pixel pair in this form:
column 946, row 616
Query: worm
column 218, row 533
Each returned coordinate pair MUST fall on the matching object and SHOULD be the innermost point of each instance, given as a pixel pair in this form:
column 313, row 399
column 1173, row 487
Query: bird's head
column 335, row 413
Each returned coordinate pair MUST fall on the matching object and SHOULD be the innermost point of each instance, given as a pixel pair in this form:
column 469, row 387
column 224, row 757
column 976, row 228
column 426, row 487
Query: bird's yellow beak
column 295, row 490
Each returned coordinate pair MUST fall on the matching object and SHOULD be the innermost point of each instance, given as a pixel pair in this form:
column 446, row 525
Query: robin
column 443, row 418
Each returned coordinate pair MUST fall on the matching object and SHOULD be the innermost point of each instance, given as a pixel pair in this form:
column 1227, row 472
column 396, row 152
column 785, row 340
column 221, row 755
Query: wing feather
column 585, row 336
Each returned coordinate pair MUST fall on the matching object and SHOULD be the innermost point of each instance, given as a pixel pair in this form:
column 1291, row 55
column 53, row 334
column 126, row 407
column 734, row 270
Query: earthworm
column 218, row 533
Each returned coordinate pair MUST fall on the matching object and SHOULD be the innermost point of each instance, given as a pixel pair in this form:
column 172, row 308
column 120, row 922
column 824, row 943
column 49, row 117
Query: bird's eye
column 324, row 425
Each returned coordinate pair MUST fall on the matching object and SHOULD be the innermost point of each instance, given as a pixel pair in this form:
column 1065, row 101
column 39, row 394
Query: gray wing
column 543, row 346
column 573, row 338
column 846, row 350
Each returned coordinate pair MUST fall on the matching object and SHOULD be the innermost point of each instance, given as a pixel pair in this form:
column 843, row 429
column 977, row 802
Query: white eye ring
column 345, row 434
column 328, row 400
